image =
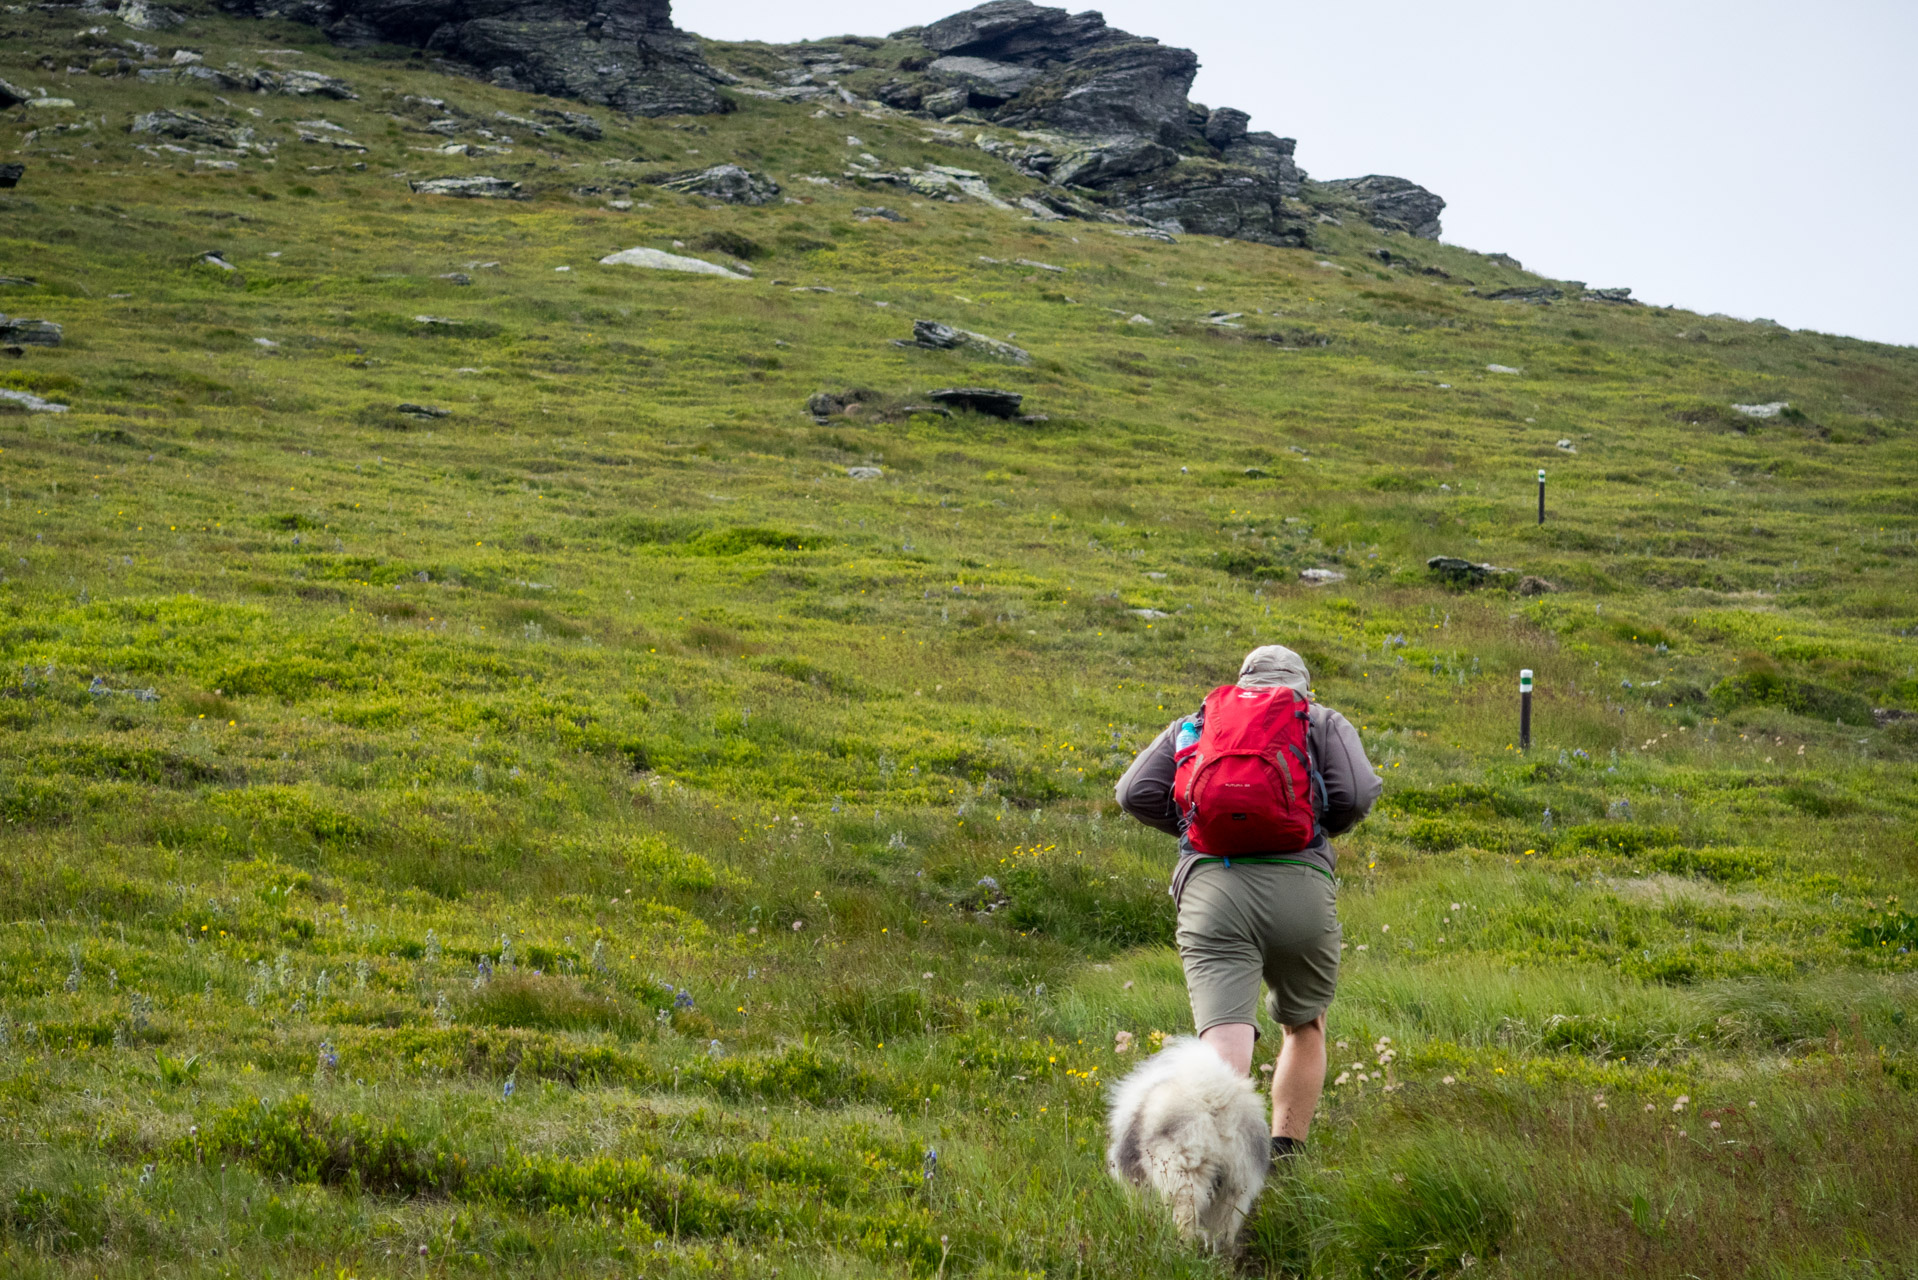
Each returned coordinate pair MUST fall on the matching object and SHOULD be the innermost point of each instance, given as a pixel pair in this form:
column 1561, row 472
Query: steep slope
column 502, row 775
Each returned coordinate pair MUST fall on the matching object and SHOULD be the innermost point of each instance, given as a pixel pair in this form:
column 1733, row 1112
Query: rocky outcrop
column 1392, row 203
column 625, row 54
column 1112, row 119
column 1214, row 200
column 1034, row 67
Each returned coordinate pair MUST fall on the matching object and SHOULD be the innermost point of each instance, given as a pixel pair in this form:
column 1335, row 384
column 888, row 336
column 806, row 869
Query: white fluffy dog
column 1189, row 1127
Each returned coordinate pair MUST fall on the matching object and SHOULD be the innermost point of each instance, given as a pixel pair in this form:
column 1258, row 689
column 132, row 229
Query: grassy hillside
column 552, row 838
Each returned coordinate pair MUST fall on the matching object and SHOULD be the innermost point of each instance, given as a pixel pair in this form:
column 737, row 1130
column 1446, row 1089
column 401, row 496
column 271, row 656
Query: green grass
column 604, row 740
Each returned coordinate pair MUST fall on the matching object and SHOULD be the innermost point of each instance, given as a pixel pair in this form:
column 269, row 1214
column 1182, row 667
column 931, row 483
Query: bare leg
column 1298, row 1078
column 1233, row 1042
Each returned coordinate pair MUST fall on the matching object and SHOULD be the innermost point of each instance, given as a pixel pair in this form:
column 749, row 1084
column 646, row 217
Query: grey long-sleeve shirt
column 1351, row 787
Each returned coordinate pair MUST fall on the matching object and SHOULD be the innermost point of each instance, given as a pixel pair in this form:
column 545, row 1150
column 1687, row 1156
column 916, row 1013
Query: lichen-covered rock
column 477, row 188
column 191, row 126
column 1393, row 203
column 988, row 400
column 1464, row 573
column 1214, row 200
column 142, row 16
column 619, row 53
column 934, row 335
column 660, row 260
column 727, row 182
column 12, row 95
column 575, row 123
column 30, row 333
column 1101, row 164
column 1270, row 155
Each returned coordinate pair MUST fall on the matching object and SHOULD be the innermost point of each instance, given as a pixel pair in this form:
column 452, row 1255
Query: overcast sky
column 1746, row 156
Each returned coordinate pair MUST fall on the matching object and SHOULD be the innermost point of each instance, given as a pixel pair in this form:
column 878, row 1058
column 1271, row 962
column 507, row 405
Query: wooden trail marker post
column 1525, row 709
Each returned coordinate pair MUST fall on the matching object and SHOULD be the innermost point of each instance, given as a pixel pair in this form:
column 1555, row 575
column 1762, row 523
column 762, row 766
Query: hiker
column 1254, row 878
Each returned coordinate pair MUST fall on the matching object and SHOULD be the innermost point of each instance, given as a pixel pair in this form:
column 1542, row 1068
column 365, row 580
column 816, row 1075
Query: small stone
column 1567, row 446
column 864, row 473
column 878, row 211
column 457, row 277
column 422, row 410
column 1533, row 585
column 1148, row 614
column 1502, row 368
column 1320, row 577
column 1138, row 319
column 1770, row 410
column 10, row 174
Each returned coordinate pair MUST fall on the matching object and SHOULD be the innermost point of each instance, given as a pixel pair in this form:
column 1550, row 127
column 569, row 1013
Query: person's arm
column 1351, row 784
column 1145, row 791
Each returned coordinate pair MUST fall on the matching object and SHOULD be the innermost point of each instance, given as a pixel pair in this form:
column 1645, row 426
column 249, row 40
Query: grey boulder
column 190, row 126
column 30, row 333
column 727, row 182
column 12, row 95
column 477, row 188
column 10, row 174
column 575, row 123
column 1464, row 573
column 1537, row 295
column 988, row 400
column 934, row 336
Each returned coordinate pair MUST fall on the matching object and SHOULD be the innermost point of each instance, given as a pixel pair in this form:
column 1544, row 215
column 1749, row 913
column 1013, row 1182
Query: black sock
column 1284, row 1147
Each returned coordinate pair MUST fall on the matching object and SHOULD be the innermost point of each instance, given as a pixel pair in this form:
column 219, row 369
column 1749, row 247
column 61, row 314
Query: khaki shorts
column 1249, row 920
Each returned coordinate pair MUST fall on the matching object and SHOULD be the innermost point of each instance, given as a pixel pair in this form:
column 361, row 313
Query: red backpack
column 1248, row 785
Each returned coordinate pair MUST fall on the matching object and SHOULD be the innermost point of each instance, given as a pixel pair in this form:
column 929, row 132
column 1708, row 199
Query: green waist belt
column 1288, row 862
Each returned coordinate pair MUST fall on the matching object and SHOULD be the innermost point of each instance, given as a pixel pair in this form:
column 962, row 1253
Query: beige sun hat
column 1271, row 664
